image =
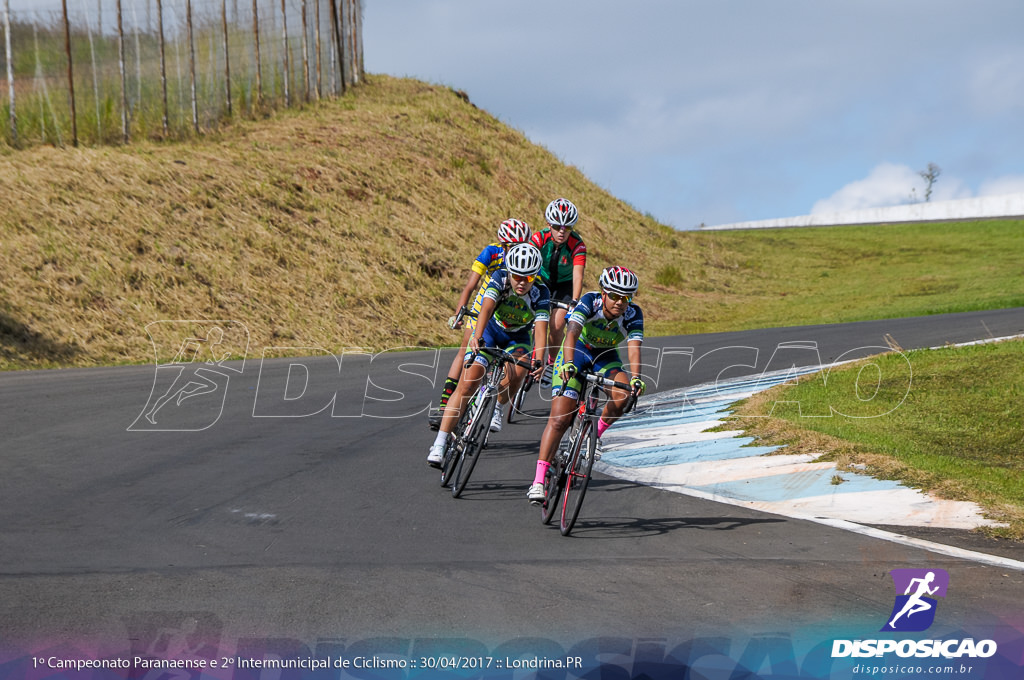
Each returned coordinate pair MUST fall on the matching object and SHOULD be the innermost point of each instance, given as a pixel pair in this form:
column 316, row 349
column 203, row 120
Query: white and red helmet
column 514, row 231
column 561, row 213
column 619, row 280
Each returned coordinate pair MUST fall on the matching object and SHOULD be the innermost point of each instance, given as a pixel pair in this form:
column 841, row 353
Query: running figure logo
column 189, row 388
column 914, row 609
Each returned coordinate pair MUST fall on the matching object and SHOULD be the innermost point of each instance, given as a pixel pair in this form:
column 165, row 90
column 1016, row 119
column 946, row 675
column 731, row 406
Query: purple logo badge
column 916, row 590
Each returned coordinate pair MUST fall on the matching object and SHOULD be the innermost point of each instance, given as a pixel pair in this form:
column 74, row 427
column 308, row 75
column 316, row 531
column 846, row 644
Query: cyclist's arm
column 577, row 280
column 572, row 334
column 633, row 353
column 486, row 311
column 540, row 343
column 472, row 283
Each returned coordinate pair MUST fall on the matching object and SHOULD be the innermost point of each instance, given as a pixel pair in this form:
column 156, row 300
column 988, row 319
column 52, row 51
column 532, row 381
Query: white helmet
column 561, row 213
column 514, row 231
column 523, row 259
column 619, row 280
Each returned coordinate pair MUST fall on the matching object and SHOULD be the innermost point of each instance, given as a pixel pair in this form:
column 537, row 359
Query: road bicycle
column 467, row 441
column 568, row 476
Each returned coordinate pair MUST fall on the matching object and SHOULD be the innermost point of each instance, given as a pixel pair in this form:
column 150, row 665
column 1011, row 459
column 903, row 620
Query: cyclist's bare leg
column 617, row 398
column 514, row 375
column 559, row 420
column 556, row 332
column 455, row 370
column 468, row 384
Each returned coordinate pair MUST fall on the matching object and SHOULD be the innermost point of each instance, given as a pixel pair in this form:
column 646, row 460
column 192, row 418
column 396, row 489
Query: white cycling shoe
column 497, row 418
column 535, row 494
column 436, row 455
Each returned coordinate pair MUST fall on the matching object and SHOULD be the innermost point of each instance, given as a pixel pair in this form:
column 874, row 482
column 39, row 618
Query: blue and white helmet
column 523, row 259
column 619, row 280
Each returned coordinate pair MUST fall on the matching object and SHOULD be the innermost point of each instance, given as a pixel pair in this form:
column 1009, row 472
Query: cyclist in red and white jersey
column 565, row 258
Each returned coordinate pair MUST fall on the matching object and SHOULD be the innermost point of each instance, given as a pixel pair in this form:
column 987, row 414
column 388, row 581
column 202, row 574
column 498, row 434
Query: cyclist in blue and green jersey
column 565, row 259
column 489, row 260
column 513, row 317
column 597, row 325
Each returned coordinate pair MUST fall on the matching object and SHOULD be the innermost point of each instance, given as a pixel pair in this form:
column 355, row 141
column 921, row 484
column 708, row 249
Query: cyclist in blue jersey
column 513, row 317
column 490, row 259
column 596, row 327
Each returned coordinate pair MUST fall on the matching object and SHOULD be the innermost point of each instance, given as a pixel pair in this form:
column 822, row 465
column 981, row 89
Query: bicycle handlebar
column 602, row 381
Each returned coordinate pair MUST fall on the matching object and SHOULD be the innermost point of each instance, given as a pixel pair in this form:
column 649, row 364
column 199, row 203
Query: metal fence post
column 284, row 31
column 121, row 68
column 305, row 52
column 227, row 57
column 192, row 65
column 163, row 62
column 71, row 74
column 256, row 37
column 10, row 72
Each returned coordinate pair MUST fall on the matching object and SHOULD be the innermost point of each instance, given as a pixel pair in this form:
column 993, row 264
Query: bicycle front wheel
column 473, row 445
column 577, row 476
column 456, row 442
column 554, row 482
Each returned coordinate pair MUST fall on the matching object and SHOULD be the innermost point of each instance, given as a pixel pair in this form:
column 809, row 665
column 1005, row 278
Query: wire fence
column 107, row 71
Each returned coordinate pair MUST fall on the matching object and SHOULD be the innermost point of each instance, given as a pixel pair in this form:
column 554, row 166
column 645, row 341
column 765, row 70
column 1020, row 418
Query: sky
column 712, row 112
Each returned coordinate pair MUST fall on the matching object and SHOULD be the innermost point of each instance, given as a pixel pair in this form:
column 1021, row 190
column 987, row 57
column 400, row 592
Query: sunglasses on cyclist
column 555, row 227
column 616, row 297
column 520, row 279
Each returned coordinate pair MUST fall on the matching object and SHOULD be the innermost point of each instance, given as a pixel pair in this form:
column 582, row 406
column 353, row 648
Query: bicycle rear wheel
column 577, row 476
column 516, row 406
column 473, row 444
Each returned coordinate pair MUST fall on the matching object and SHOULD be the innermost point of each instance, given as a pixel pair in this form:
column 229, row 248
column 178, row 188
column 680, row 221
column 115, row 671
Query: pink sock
column 542, row 469
column 602, row 427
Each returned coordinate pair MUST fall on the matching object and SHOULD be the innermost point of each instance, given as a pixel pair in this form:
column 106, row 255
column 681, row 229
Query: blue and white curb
column 668, row 446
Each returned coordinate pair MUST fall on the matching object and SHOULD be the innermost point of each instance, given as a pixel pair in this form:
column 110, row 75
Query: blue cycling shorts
column 518, row 342
column 596, row 360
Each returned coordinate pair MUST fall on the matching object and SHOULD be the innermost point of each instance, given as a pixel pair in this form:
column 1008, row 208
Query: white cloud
column 888, row 184
column 891, row 184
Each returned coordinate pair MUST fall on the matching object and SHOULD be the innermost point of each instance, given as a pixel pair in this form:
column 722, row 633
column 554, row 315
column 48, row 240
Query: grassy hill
column 354, row 222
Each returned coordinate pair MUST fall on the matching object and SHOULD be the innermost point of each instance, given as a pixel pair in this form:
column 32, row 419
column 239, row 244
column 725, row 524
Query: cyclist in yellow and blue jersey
column 490, row 259
column 513, row 317
column 597, row 325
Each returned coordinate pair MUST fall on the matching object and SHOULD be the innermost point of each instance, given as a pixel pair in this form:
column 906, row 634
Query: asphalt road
column 301, row 519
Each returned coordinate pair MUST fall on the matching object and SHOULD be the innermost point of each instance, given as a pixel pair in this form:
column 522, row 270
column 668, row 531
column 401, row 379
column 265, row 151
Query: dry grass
column 352, row 223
